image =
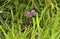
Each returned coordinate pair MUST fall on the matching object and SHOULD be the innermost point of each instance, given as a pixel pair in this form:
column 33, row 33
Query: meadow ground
column 18, row 22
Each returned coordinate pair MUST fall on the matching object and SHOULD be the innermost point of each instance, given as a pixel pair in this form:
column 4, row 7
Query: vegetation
column 44, row 25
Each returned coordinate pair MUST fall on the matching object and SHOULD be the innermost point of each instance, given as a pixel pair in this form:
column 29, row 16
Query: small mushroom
column 28, row 14
column 33, row 12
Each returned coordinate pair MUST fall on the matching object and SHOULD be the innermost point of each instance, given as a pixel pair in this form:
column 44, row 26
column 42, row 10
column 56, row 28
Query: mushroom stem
column 27, row 21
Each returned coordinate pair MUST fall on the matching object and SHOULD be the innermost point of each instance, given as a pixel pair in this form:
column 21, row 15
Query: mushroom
column 33, row 12
column 28, row 14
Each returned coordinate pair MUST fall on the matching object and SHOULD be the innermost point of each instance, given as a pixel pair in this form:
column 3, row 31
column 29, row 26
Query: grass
column 45, row 25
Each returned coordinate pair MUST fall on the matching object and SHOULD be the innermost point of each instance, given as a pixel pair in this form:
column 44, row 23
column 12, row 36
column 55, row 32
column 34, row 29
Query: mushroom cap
column 33, row 12
column 28, row 14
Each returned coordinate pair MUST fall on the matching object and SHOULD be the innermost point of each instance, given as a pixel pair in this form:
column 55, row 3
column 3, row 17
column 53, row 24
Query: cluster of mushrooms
column 28, row 15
